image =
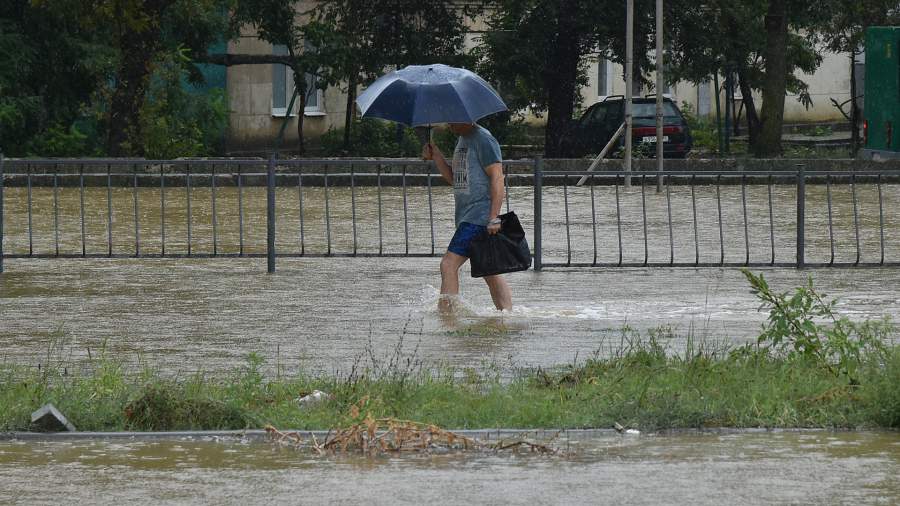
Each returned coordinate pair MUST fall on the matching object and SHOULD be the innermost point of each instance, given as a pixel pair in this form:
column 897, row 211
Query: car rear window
column 596, row 114
column 648, row 110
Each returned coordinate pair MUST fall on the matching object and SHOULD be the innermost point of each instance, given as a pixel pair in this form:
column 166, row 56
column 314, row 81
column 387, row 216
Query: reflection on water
column 760, row 468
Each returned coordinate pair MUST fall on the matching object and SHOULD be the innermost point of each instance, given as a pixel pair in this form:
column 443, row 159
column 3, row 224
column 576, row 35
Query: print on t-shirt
column 461, row 169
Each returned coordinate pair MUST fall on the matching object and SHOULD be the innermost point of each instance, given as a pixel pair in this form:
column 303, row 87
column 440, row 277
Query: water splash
column 430, row 297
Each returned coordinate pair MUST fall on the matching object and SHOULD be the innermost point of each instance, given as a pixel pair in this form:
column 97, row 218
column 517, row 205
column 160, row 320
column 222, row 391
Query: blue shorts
column 465, row 232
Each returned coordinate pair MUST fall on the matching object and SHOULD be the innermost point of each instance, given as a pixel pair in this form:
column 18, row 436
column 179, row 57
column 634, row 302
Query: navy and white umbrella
column 427, row 94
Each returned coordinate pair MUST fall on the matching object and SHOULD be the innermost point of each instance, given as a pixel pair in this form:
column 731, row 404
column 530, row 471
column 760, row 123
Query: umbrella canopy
column 427, row 94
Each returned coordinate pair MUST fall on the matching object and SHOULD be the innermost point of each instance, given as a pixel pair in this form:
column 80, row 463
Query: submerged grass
column 641, row 386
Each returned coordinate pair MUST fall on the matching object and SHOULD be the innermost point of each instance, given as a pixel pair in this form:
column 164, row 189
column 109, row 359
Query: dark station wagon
column 599, row 123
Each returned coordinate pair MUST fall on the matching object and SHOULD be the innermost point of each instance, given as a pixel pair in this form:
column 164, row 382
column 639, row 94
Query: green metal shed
column 882, row 110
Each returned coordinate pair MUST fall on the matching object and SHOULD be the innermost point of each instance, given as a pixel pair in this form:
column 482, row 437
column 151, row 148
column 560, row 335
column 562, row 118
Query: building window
column 604, row 78
column 283, row 89
column 704, row 99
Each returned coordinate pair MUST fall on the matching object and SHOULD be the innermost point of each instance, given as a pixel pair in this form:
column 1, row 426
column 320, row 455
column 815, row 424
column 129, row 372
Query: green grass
column 641, row 386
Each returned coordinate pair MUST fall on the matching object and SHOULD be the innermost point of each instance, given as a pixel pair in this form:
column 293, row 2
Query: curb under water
column 484, row 434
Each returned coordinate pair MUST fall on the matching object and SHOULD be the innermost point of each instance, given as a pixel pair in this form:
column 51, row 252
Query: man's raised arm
column 431, row 152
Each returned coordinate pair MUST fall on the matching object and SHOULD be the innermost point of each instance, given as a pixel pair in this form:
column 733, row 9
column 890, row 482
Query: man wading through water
column 477, row 178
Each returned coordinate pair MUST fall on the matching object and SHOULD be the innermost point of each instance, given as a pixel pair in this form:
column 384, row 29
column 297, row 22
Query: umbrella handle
column 423, row 133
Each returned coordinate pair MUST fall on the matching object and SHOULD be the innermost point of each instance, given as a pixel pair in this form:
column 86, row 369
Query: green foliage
column 177, row 122
column 703, row 131
column 804, row 326
column 137, row 34
column 733, row 39
column 883, row 394
column 357, row 39
column 843, row 29
column 372, row 137
column 820, row 131
column 60, row 141
column 49, row 68
column 168, row 406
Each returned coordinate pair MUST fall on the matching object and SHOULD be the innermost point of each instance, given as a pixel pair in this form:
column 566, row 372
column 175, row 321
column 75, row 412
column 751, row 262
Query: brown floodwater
column 804, row 467
column 320, row 313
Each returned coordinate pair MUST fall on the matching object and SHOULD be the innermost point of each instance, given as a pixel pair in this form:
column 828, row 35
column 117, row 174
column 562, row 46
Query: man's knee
column 494, row 280
column 450, row 265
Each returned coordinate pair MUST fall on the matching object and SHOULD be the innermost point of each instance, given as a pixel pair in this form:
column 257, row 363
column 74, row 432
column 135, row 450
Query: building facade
column 258, row 96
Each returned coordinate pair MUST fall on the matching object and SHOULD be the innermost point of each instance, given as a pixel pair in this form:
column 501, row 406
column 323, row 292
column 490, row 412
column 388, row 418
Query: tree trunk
column 138, row 48
column 132, row 79
column 753, row 124
column 735, row 110
column 854, row 109
column 348, row 115
column 301, row 109
column 774, row 83
column 561, row 85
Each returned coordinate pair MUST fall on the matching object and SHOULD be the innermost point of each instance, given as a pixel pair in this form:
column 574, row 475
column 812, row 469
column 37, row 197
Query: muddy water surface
column 748, row 468
column 321, row 313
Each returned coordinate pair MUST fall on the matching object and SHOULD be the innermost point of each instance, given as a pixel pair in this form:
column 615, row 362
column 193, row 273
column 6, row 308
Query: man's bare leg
column 450, row 264
column 500, row 292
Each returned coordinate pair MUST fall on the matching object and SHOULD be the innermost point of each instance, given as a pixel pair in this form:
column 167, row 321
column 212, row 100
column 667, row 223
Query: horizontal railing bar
column 221, row 255
column 718, row 264
column 330, row 162
column 235, row 161
column 723, row 173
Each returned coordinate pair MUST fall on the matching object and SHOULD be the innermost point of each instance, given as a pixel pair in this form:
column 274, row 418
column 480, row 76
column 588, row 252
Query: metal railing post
column 538, row 185
column 801, row 216
column 270, row 215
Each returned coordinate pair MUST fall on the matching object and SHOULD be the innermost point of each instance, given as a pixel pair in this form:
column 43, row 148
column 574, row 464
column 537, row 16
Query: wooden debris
column 391, row 435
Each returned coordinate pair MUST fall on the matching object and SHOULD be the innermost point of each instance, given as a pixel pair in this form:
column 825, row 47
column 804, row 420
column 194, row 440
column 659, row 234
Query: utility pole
column 659, row 95
column 629, row 57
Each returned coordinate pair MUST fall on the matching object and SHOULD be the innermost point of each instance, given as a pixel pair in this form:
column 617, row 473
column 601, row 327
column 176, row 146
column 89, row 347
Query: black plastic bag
column 507, row 251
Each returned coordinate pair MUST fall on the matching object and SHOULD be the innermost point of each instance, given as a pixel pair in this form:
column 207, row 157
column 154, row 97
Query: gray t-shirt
column 471, row 185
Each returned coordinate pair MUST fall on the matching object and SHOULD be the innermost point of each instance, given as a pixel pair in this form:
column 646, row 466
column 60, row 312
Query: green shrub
column 378, row 138
column 704, row 131
column 883, row 390
column 165, row 406
column 372, row 137
column 60, row 141
column 803, row 325
column 178, row 122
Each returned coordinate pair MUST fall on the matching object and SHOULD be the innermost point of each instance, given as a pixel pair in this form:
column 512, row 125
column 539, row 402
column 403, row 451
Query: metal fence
column 785, row 242
column 401, row 208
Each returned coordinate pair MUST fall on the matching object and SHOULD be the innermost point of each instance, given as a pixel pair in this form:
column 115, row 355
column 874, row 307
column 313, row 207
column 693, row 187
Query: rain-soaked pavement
column 816, row 467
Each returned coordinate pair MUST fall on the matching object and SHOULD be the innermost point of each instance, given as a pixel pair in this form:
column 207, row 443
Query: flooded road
column 815, row 467
column 318, row 314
